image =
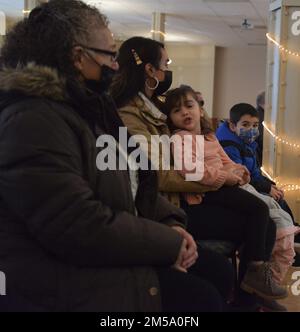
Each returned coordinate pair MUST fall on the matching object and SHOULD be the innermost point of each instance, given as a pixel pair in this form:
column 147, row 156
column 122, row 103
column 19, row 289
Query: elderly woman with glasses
column 74, row 237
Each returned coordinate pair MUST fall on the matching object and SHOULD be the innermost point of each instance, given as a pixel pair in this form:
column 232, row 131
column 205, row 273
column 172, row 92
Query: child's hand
column 238, row 171
column 242, row 172
column 228, row 167
column 245, row 175
column 245, row 180
column 276, row 193
column 280, row 190
column 232, row 178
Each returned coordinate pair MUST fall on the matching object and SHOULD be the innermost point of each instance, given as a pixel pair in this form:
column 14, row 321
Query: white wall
column 195, row 66
column 240, row 75
column 225, row 76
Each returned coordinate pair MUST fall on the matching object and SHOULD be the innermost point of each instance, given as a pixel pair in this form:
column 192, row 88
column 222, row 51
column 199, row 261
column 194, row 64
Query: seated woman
column 72, row 237
column 142, row 76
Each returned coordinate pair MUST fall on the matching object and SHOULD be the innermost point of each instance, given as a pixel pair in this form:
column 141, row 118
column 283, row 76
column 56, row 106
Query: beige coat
column 141, row 119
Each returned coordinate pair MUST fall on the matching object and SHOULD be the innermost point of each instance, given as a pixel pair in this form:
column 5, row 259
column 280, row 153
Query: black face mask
column 164, row 85
column 102, row 85
column 107, row 75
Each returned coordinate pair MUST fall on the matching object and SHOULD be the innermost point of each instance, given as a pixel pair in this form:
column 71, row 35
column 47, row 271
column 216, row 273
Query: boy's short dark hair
column 239, row 110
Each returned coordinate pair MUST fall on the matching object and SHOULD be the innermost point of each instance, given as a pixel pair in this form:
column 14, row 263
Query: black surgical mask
column 164, row 85
column 107, row 75
column 102, row 85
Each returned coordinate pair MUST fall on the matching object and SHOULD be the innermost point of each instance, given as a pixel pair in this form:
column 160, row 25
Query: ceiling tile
column 195, row 21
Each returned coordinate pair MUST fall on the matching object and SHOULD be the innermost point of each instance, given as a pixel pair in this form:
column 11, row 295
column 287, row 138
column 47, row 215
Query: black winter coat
column 69, row 237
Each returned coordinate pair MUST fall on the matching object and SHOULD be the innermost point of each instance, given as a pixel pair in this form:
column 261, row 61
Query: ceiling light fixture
column 246, row 25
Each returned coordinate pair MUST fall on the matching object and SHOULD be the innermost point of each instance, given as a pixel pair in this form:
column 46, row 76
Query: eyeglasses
column 113, row 55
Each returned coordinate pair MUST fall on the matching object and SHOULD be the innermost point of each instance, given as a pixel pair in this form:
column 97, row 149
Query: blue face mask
column 248, row 135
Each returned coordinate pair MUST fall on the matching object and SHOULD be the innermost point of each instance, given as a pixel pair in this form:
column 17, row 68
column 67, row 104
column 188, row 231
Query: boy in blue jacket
column 237, row 136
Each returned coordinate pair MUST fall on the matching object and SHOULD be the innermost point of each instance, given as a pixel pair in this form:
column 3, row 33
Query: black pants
column 233, row 214
column 205, row 287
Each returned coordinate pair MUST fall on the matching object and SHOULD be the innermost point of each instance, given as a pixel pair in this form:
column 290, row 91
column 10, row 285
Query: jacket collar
column 152, row 109
column 224, row 133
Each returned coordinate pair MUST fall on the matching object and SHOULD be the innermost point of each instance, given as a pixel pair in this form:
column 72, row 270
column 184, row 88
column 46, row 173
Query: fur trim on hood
column 33, row 80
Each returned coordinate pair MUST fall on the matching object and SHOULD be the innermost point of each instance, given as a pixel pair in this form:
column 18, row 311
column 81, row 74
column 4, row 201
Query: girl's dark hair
column 174, row 99
column 134, row 54
column 49, row 34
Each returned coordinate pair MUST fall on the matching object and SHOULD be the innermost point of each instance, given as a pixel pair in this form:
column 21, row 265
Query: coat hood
column 30, row 81
column 224, row 133
column 33, row 80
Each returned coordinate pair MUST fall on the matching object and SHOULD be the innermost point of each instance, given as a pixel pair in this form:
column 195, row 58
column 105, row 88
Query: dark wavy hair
column 130, row 78
column 49, row 34
column 174, row 99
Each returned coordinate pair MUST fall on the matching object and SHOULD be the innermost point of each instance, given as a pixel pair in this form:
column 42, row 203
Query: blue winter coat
column 244, row 154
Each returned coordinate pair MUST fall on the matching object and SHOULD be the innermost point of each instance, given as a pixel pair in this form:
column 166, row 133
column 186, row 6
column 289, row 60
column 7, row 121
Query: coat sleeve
column 42, row 185
column 168, row 180
column 262, row 184
column 258, row 181
column 213, row 176
column 169, row 214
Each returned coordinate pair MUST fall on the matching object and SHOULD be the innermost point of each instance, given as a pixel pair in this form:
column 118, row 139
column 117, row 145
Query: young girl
column 186, row 117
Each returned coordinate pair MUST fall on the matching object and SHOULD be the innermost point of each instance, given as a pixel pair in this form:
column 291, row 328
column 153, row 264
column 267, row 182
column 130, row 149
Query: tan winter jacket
column 142, row 118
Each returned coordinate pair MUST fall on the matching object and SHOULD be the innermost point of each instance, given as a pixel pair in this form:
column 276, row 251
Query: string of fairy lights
column 285, row 187
column 281, row 47
column 280, row 139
